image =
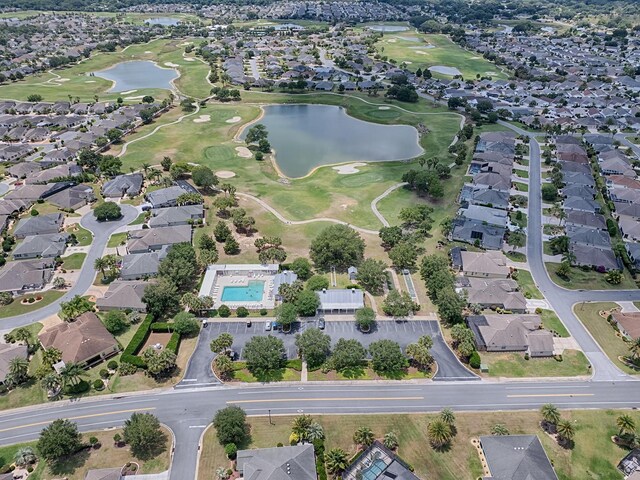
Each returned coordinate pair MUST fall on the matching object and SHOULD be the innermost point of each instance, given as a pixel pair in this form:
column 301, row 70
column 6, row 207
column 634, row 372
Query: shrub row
column 165, row 327
column 318, row 446
column 138, row 339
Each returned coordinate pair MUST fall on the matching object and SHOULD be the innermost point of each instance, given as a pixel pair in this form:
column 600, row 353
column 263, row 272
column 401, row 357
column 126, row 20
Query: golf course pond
column 164, row 21
column 388, row 28
column 310, row 136
column 138, row 74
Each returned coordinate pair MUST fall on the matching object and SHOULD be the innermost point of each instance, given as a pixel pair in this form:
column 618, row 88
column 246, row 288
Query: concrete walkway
column 628, row 307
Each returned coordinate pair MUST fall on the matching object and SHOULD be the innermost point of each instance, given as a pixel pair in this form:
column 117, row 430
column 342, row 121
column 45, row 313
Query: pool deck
column 267, row 301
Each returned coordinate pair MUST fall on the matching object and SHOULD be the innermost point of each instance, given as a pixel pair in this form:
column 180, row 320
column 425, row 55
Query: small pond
column 388, row 28
column 138, row 74
column 309, row 136
column 165, row 21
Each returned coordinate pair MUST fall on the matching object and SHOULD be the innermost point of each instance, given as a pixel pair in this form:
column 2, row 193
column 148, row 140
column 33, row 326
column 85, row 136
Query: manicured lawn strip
column 525, row 280
column 606, row 336
column 73, row 261
column 17, row 308
column 516, row 256
column 522, row 223
column 242, row 374
column 116, row 239
column 594, row 454
column 140, row 219
column 592, row 280
column 521, row 173
column 513, row 364
column 83, row 236
column 551, row 322
column 365, row 373
column 521, row 187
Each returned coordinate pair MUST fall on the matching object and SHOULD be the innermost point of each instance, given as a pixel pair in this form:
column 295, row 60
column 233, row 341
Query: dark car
column 249, row 323
column 321, row 323
column 233, row 355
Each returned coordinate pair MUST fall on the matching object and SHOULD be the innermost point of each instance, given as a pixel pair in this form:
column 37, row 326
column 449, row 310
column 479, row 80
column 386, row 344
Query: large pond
column 388, row 28
column 166, row 21
column 138, row 74
column 309, row 136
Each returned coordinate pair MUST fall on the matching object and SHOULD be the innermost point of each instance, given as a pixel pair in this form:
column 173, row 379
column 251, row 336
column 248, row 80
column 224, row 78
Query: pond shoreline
column 273, row 155
column 115, row 83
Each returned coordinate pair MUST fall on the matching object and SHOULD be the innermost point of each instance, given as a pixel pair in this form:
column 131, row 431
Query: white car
column 267, row 327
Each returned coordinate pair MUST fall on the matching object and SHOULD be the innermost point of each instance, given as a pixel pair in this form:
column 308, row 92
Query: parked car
column 233, row 355
column 267, row 327
column 249, row 323
column 321, row 323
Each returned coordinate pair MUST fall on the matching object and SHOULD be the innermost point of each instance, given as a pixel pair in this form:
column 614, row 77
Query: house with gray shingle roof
column 40, row 225
column 118, row 187
column 25, row 275
column 279, row 463
column 124, row 295
column 165, row 197
column 46, row 246
column 153, row 239
column 516, row 457
column 140, row 265
column 171, row 216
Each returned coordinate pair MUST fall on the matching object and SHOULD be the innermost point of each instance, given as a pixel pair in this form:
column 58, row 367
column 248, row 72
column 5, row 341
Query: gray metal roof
column 517, row 457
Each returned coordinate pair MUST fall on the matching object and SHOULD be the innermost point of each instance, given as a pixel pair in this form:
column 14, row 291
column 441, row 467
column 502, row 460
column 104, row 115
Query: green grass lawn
column 516, row 256
column 140, row 219
column 242, row 374
column 427, row 50
column 116, row 239
column 73, row 261
column 521, row 173
column 366, row 373
column 551, row 322
column 594, row 455
column 33, row 329
column 519, row 220
column 592, row 280
column 525, row 280
column 192, row 80
column 17, row 308
column 513, row 364
column 609, row 340
column 521, row 187
column 83, row 236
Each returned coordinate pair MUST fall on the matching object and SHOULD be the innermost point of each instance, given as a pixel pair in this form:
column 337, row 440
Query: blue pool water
column 251, row 293
column 374, row 471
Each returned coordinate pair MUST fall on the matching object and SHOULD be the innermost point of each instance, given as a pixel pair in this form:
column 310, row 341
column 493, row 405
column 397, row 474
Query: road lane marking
column 325, row 399
column 528, row 395
column 93, row 415
column 547, row 387
column 324, row 390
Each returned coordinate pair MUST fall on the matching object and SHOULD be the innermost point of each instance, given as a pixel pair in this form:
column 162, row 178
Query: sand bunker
column 408, row 63
column 349, row 168
column 234, row 120
column 128, row 92
column 62, row 79
column 138, row 97
column 384, row 108
column 244, row 152
column 90, row 81
column 148, row 51
column 420, row 52
column 225, row 174
column 422, row 47
column 171, row 64
column 392, row 40
column 445, row 70
column 202, row 119
column 189, row 59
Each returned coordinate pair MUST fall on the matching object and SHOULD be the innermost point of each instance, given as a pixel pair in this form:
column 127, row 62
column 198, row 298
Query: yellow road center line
column 551, row 395
column 324, row 399
column 78, row 418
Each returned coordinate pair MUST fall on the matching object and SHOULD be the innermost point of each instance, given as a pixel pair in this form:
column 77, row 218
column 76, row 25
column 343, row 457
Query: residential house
column 485, row 215
column 104, row 474
column 581, row 204
column 387, row 465
column 576, row 218
column 511, row 333
column 165, row 197
column 591, row 256
column 172, row 216
column 491, row 264
column 25, row 275
column 473, row 232
column 46, row 246
column 73, row 198
column 129, row 185
column 9, row 351
column 85, row 340
column 495, row 293
column 295, row 462
column 123, row 295
column 628, row 323
column 39, row 225
column 516, row 457
column 153, row 239
column 140, row 265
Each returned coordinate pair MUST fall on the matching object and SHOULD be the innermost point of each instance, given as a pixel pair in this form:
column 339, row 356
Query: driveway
column 101, row 233
column 199, row 374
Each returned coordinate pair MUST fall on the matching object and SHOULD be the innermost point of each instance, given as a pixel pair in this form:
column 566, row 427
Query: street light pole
column 270, row 422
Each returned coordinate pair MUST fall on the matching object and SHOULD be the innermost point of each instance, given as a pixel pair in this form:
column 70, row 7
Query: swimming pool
column 253, row 292
column 373, row 472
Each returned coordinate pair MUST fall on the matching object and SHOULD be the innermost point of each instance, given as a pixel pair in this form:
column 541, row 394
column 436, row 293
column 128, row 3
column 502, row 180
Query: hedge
column 138, row 339
column 174, row 343
column 295, row 364
column 318, row 446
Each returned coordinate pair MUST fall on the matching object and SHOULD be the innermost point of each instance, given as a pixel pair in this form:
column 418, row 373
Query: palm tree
column 634, row 348
column 439, row 433
column 18, row 370
column 145, row 168
column 626, row 424
column 390, row 440
column 447, row 416
column 24, row 456
column 300, row 425
column 22, row 335
column 315, row 432
column 550, row 413
column 51, row 356
column 51, row 382
column 363, row 436
column 566, row 431
column 100, row 264
column 499, row 429
column 336, row 461
column 71, row 373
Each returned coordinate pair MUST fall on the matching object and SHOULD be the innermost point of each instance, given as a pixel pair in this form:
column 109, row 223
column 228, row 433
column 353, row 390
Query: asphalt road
column 101, row 232
column 188, row 412
column 559, row 298
column 199, row 374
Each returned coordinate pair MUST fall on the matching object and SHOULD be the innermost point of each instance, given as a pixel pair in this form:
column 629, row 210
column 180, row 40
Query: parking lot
column 449, row 368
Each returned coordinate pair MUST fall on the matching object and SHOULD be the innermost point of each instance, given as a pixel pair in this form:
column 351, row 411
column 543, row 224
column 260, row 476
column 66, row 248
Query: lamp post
column 270, row 422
